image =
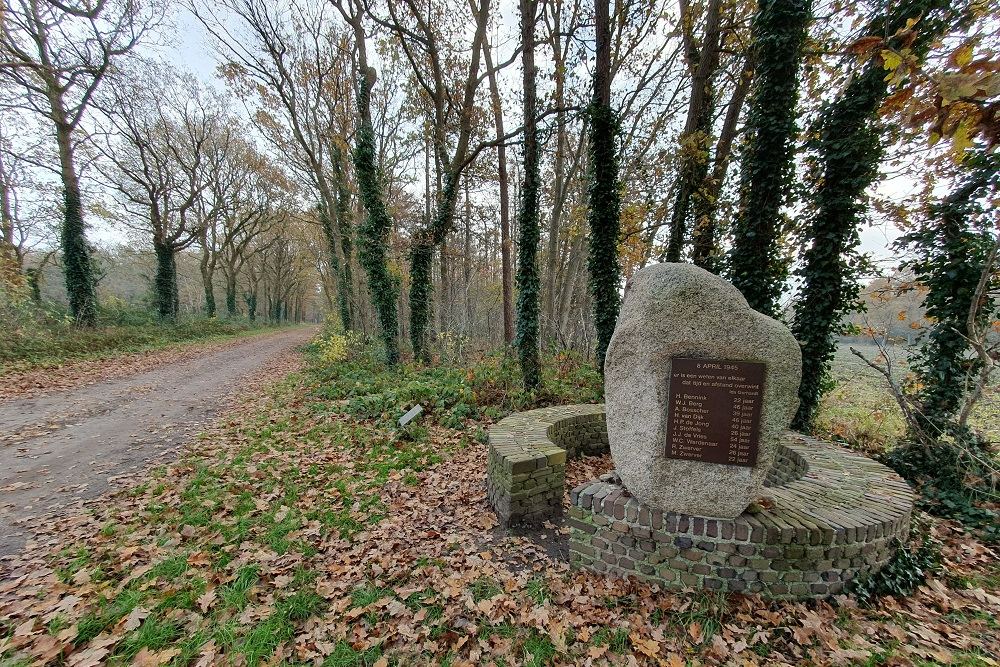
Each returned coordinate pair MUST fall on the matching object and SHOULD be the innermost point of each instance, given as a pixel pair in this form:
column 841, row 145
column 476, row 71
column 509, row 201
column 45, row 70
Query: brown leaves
column 434, row 576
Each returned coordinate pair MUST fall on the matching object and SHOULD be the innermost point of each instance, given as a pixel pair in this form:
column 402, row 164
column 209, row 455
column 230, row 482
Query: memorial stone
column 698, row 389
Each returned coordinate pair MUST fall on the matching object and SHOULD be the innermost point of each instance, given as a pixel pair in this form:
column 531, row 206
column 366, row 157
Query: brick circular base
column 835, row 515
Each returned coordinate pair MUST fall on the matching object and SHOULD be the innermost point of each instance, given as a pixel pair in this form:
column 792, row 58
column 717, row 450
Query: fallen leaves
column 290, row 515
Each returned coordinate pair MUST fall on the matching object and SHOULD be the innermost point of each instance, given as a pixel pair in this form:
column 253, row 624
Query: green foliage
column 603, row 264
column 846, row 152
column 373, row 234
column 906, row 570
column 490, row 388
column 165, row 294
column 950, row 248
column 76, row 261
column 421, row 260
column 950, row 482
column 756, row 265
column 958, row 504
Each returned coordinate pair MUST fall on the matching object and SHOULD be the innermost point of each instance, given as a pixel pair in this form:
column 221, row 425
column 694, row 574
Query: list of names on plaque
column 714, row 410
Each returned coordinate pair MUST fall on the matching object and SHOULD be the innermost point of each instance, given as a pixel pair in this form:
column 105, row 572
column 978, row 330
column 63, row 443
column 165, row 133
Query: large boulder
column 680, row 311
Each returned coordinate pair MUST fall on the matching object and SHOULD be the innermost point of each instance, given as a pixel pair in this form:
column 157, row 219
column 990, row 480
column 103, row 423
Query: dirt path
column 60, row 449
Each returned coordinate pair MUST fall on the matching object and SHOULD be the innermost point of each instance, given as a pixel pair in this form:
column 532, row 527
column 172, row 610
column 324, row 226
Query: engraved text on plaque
column 714, row 410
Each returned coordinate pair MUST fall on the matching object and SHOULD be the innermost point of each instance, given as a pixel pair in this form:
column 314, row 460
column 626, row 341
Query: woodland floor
column 303, row 528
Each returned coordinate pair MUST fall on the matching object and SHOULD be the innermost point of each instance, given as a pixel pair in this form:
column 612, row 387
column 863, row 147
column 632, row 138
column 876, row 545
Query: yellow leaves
column 961, row 139
column 961, row 56
column 901, row 316
column 890, row 61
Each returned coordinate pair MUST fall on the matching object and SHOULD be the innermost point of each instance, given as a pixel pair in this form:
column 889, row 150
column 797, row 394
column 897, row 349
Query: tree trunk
column 559, row 178
column 849, row 149
column 506, row 278
column 757, row 265
column 528, row 284
column 165, row 295
column 695, row 140
column 467, row 262
column 605, row 193
column 444, row 300
column 231, row 294
column 251, row 301
column 207, row 269
column 76, row 254
column 373, row 236
column 346, row 241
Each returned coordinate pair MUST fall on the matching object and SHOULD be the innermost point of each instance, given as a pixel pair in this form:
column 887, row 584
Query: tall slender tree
column 695, row 140
column 528, row 284
column 756, row 264
column 848, row 148
column 373, row 234
column 506, row 268
column 605, row 191
column 423, row 42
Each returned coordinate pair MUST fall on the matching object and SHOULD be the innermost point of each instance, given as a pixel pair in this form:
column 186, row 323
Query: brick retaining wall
column 526, row 473
column 836, row 516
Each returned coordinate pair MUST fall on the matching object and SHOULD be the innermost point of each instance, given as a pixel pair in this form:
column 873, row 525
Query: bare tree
column 166, row 152
column 58, row 54
column 290, row 59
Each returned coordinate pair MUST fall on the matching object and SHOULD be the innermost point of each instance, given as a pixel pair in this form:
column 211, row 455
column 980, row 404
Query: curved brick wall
column 836, row 513
column 526, row 471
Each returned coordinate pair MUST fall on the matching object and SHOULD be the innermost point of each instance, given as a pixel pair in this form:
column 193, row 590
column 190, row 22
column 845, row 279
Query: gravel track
column 63, row 448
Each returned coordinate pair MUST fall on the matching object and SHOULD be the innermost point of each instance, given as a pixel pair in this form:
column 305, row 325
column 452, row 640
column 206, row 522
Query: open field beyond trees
column 306, row 528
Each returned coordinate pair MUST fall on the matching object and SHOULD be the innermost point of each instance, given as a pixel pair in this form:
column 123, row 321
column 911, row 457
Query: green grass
column 861, row 412
column 50, row 342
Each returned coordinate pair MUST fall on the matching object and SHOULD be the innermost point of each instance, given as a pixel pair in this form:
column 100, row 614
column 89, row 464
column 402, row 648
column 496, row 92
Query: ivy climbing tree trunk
column 756, row 264
column 165, row 283
column 848, row 149
column 951, row 248
column 373, row 237
column 605, row 192
column 528, row 284
column 426, row 240
column 79, row 273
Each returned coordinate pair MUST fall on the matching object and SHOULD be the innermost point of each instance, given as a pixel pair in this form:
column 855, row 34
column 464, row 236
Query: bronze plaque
column 714, row 410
